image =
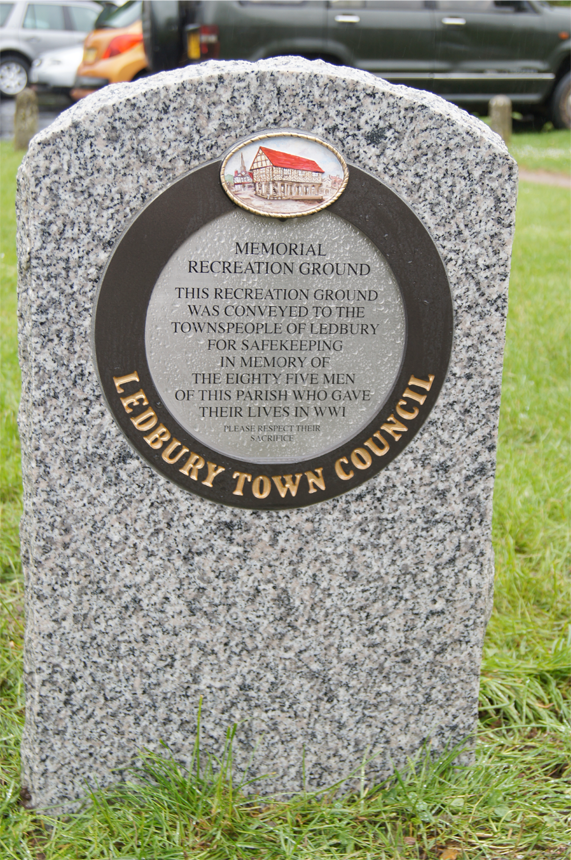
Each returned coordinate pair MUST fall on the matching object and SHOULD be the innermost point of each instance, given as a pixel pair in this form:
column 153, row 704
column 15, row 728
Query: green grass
column 11, row 596
column 515, row 802
column 10, row 492
column 546, row 150
column 531, row 504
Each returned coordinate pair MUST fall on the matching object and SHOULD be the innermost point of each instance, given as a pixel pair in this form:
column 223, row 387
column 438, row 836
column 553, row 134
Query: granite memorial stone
column 262, row 313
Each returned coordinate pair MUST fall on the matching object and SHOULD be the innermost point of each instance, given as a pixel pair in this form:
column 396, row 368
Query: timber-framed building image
column 281, row 176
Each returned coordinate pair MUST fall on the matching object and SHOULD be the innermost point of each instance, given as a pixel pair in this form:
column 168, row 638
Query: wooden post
column 500, row 109
column 25, row 118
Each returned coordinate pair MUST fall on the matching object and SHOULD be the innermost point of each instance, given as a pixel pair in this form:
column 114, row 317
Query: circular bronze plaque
column 266, row 362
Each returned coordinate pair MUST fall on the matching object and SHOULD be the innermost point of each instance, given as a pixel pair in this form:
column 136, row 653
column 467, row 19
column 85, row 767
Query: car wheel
column 561, row 103
column 13, row 76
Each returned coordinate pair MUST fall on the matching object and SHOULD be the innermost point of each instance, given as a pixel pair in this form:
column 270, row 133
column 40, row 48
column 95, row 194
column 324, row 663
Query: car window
column 466, row 5
column 273, row 2
column 483, row 6
column 382, row 5
column 5, row 9
column 122, row 17
column 396, row 4
column 82, row 18
column 44, row 16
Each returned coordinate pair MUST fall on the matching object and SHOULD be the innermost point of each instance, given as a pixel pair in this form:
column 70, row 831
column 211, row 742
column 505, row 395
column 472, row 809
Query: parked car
column 113, row 52
column 464, row 50
column 55, row 71
column 30, row 29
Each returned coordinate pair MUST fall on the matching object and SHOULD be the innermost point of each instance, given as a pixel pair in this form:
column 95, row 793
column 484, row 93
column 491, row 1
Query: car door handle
column 31, row 38
column 347, row 19
column 454, row 22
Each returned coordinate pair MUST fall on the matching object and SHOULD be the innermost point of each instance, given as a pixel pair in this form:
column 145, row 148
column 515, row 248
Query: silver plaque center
column 275, row 341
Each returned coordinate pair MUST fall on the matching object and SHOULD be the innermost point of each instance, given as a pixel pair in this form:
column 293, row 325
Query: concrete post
column 25, row 118
column 500, row 109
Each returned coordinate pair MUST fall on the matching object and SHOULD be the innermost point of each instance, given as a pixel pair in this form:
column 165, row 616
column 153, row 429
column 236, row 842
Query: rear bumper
column 49, row 89
column 82, row 82
column 85, row 86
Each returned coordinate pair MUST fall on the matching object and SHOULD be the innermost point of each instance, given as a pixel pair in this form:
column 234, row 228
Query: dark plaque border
column 119, row 337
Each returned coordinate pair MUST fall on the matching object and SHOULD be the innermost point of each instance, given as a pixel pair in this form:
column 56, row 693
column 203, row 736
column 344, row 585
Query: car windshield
column 122, row 17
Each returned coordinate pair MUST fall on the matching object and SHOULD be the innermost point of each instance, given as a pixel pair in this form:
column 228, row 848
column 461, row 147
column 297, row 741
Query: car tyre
column 561, row 103
column 14, row 74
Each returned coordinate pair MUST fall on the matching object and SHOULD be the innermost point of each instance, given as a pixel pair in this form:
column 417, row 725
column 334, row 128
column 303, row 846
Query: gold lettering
column 414, row 395
column 361, row 458
column 145, row 421
column 123, row 380
column 261, row 487
column 422, row 383
column 392, row 428
column 166, row 455
column 192, row 466
column 213, row 470
column 158, row 437
column 318, row 480
column 403, row 413
column 140, row 396
column 340, row 471
column 380, row 452
column 242, row 476
column 289, row 484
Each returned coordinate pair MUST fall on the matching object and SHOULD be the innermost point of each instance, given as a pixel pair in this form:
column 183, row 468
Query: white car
column 55, row 71
column 30, row 29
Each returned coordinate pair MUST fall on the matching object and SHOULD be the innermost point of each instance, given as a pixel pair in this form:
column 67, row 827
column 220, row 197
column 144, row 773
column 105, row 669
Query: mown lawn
column 516, row 801
column 546, row 150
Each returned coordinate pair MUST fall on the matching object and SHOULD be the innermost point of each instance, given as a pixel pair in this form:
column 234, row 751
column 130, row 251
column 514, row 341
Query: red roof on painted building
column 283, row 159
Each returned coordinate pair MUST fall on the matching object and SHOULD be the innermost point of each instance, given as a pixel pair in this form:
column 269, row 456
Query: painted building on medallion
column 243, row 180
column 279, row 176
column 335, row 182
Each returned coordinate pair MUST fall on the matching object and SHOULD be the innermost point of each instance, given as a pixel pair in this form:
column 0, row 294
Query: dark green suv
column 464, row 50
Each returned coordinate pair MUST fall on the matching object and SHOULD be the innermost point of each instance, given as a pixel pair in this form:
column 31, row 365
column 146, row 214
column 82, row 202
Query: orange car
column 113, row 52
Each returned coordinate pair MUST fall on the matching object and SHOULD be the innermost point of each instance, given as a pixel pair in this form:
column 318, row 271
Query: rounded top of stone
column 122, row 146
column 316, row 83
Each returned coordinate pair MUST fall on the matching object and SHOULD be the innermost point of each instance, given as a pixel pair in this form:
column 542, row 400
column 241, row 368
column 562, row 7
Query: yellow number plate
column 193, row 46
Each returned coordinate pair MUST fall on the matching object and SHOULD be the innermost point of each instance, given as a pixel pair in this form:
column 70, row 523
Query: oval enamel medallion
column 284, row 175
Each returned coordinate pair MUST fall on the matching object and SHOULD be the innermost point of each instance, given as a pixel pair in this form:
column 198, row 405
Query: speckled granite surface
column 355, row 625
